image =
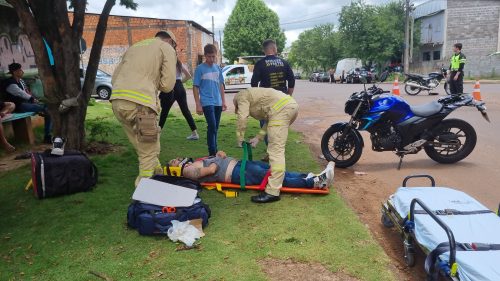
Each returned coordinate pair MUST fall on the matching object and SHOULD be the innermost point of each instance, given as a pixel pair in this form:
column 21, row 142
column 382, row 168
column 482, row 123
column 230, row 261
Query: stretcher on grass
column 247, row 155
column 459, row 235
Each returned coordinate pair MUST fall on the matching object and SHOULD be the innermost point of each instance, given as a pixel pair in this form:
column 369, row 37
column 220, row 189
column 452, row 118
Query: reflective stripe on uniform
column 278, row 168
column 275, row 123
column 145, row 42
column 282, row 102
column 146, row 173
column 132, row 95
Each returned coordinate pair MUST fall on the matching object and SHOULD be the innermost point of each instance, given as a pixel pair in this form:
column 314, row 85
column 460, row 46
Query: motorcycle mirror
column 384, row 76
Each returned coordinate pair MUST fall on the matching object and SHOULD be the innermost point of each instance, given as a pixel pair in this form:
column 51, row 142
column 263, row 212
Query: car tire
column 103, row 93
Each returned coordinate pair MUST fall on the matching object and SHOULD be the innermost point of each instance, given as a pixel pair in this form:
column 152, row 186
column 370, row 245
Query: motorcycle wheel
column 412, row 91
column 343, row 149
column 455, row 139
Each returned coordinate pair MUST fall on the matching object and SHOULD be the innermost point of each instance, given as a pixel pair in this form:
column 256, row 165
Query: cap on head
column 14, row 66
column 165, row 34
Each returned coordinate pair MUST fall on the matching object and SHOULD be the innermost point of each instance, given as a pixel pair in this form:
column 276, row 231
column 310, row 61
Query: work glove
column 254, row 141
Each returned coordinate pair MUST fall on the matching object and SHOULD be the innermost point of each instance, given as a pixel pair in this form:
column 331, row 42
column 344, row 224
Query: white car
column 236, row 77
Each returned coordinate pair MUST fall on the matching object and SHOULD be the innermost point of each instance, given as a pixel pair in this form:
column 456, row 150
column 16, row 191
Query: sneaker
column 325, row 178
column 330, row 173
column 310, row 175
column 321, row 180
column 58, row 146
column 193, row 137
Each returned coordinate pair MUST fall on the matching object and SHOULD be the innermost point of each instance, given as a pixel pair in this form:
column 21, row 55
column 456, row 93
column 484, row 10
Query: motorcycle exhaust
column 413, row 84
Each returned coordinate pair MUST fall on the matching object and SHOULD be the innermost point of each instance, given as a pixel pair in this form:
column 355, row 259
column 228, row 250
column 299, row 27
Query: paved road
column 477, row 175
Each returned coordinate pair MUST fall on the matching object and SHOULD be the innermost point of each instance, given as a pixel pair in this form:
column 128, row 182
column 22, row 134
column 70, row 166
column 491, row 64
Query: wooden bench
column 21, row 126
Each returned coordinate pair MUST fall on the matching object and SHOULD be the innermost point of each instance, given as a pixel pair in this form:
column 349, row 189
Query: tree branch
column 95, row 53
column 78, row 17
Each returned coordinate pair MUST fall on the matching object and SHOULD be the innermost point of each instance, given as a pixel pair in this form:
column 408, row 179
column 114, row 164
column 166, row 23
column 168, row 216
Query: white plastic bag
column 184, row 232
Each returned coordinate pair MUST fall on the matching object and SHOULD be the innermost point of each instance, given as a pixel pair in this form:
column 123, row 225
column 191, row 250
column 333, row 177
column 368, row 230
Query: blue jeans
column 212, row 115
column 256, row 170
column 35, row 107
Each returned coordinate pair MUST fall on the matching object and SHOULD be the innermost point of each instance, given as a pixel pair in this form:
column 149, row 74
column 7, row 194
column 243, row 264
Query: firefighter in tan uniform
column 146, row 67
column 279, row 110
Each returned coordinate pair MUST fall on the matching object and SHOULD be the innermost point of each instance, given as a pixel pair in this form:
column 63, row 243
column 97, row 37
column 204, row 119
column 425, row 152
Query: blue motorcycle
column 396, row 126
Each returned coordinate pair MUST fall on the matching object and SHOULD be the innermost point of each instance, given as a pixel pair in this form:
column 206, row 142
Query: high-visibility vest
column 456, row 60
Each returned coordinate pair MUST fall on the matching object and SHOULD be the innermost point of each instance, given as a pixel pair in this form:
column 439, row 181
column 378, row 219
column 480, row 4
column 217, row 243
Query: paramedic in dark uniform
column 456, row 77
column 272, row 72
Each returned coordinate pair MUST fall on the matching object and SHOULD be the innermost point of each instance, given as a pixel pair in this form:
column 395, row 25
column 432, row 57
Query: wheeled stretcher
column 459, row 235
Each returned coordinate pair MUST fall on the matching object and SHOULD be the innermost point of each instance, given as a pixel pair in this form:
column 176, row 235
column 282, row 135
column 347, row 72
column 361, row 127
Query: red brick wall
column 125, row 31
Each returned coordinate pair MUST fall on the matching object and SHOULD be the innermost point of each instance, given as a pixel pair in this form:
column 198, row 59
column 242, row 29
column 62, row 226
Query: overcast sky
column 295, row 15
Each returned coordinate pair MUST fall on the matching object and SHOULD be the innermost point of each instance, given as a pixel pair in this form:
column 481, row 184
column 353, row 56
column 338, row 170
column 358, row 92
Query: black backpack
column 54, row 175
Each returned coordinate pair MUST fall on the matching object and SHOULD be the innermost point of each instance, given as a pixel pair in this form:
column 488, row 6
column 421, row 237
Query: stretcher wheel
column 409, row 255
column 386, row 221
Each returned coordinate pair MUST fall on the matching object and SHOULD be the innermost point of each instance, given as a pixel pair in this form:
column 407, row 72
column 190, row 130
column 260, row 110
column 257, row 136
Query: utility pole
column 213, row 31
column 407, row 38
column 220, row 46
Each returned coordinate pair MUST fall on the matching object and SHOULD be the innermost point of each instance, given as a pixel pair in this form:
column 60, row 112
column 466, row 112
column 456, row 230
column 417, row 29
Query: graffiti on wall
column 110, row 57
column 20, row 52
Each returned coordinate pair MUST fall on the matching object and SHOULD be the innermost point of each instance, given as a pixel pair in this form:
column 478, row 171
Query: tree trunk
column 49, row 19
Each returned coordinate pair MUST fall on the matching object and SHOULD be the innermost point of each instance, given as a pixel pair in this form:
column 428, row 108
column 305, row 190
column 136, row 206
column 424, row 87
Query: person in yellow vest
column 279, row 110
column 457, row 64
column 146, row 67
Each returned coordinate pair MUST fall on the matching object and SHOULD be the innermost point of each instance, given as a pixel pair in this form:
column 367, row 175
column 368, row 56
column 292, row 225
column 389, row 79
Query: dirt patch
column 9, row 162
column 101, row 148
column 289, row 270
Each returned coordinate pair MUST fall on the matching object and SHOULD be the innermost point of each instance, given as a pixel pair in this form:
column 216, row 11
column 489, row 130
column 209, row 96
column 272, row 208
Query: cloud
column 295, row 15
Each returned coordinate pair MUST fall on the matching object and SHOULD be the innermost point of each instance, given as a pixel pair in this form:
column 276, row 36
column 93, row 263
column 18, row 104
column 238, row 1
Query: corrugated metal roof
column 4, row 3
column 429, row 8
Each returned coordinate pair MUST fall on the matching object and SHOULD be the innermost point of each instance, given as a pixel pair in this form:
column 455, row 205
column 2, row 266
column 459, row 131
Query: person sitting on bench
column 5, row 109
column 17, row 92
column 224, row 169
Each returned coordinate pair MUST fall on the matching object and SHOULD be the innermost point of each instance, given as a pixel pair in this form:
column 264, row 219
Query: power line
column 310, row 19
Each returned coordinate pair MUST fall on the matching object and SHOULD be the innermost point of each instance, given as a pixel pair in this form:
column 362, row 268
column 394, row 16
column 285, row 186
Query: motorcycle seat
column 426, row 110
column 424, row 77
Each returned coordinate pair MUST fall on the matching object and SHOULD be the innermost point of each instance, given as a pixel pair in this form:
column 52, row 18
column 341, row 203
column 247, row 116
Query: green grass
column 64, row 238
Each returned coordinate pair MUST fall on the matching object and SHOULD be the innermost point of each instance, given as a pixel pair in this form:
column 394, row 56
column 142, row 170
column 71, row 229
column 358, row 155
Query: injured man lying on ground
column 224, row 169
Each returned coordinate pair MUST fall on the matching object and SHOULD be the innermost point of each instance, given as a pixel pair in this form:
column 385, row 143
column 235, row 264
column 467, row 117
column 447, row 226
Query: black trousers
column 456, row 86
column 168, row 99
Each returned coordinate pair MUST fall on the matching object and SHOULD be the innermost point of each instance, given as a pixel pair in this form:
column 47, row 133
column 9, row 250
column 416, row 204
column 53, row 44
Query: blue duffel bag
column 151, row 219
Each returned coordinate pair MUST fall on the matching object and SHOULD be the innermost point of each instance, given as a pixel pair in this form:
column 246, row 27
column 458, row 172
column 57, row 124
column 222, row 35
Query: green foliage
column 316, row 48
column 98, row 129
column 92, row 102
column 250, row 23
column 372, row 33
column 66, row 237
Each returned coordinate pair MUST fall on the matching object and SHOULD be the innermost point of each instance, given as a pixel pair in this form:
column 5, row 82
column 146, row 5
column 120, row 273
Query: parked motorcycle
column 416, row 82
column 396, row 126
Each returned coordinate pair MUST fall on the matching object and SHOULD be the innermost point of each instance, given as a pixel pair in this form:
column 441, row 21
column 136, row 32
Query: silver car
column 102, row 86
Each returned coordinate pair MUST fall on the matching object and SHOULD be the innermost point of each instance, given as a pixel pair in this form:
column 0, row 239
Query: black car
column 323, row 77
column 297, row 75
column 354, row 75
column 313, row 76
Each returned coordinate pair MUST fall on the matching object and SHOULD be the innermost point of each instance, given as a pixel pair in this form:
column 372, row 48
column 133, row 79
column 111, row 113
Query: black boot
column 265, row 198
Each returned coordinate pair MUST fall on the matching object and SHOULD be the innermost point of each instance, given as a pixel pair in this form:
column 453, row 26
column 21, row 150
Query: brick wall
column 475, row 24
column 125, row 31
